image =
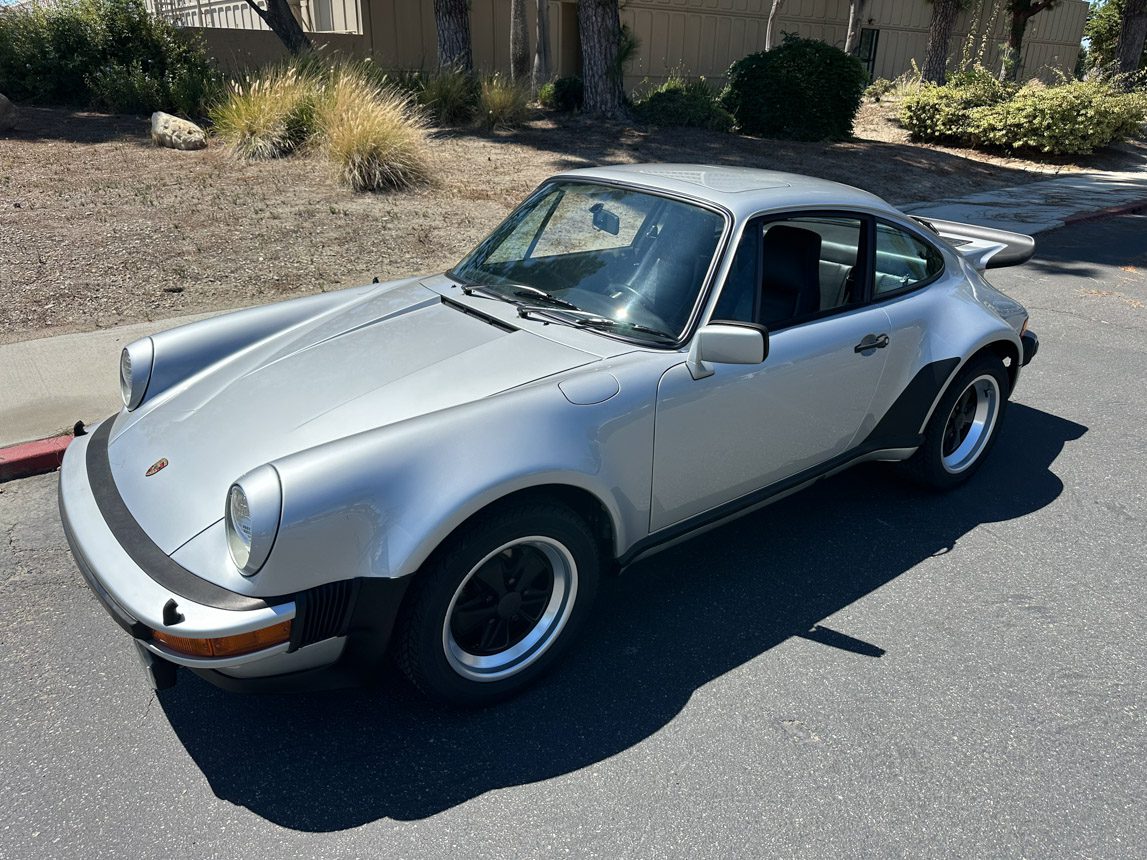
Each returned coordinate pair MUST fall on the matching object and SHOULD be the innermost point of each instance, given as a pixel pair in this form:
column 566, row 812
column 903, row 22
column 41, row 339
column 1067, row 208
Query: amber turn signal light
column 226, row 646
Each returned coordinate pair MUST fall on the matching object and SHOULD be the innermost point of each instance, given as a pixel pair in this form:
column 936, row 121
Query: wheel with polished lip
column 963, row 426
column 498, row 603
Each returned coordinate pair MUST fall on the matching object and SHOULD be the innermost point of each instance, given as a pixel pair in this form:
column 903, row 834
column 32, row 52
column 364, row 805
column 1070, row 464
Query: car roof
column 742, row 190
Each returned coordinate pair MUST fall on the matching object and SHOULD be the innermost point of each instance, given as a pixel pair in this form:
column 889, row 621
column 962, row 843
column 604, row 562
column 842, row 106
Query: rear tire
column 963, row 427
column 498, row 603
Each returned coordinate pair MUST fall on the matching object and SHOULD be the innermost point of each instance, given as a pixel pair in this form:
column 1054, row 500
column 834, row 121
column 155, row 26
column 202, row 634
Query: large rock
column 7, row 113
column 176, row 133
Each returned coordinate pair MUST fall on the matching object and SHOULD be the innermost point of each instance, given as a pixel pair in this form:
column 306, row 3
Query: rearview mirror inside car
column 604, row 220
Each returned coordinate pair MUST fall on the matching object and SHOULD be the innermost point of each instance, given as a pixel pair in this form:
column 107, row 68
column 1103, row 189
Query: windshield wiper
column 522, row 291
column 525, row 291
column 485, row 292
column 588, row 319
column 606, row 323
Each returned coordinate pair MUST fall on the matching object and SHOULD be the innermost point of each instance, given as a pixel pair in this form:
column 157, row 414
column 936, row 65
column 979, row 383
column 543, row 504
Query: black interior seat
column 790, row 277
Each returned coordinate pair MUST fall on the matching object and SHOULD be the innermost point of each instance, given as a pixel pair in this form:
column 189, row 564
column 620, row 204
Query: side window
column 902, row 260
column 738, row 299
column 809, row 265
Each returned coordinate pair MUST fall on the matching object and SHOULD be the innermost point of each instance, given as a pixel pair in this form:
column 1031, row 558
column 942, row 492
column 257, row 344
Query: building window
column 866, row 49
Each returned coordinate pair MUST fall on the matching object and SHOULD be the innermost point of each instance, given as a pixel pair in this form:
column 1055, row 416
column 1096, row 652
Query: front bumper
column 141, row 605
column 1030, row 343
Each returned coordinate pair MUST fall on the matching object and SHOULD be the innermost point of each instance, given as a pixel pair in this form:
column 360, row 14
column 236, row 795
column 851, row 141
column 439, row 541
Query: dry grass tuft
column 268, row 116
column 502, row 103
column 375, row 138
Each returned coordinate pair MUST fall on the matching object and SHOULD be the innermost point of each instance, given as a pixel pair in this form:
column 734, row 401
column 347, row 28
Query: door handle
column 871, row 341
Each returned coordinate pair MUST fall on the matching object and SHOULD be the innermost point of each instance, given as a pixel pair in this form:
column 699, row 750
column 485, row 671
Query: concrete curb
column 1109, row 212
column 33, row 458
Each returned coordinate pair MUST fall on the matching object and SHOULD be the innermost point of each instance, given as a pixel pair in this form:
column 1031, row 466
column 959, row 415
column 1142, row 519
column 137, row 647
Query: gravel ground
column 100, row 228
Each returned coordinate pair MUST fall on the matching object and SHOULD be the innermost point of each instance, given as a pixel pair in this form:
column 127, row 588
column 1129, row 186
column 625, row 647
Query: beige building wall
column 686, row 37
column 703, row 37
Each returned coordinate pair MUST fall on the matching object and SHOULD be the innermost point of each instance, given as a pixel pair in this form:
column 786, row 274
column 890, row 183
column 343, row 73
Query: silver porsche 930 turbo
column 438, row 469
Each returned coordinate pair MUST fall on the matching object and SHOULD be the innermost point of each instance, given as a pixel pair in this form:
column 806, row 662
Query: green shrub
column 564, row 94
column 941, row 113
column 126, row 89
column 802, row 90
column 502, row 103
column 450, row 96
column 1070, row 119
column 678, row 102
column 109, row 54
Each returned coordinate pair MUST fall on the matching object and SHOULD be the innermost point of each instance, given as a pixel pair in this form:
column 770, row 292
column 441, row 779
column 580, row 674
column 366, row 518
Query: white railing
column 316, row 16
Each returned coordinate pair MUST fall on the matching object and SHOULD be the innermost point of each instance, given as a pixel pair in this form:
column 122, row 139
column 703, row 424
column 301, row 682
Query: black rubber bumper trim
column 119, row 615
column 1031, row 346
column 143, row 550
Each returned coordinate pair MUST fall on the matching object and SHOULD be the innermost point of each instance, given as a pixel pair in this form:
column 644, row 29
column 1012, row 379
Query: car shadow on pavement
column 668, row 626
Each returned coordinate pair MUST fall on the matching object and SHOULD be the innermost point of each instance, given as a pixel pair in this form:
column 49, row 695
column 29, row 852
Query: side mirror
column 727, row 343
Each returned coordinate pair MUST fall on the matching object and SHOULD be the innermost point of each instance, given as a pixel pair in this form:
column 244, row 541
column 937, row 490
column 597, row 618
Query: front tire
column 498, row 603
column 963, row 427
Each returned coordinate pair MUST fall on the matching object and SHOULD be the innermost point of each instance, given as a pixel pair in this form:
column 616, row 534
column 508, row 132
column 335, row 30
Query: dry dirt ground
column 98, row 227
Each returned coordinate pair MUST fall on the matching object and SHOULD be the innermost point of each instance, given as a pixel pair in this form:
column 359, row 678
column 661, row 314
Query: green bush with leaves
column 801, row 90
column 940, row 114
column 108, row 54
column 679, row 102
column 564, row 94
column 1070, row 119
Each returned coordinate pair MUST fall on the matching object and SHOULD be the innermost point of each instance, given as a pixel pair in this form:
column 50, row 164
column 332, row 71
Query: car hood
column 394, row 355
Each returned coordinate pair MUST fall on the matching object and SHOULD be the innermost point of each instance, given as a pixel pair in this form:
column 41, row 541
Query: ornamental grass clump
column 502, row 103
column 269, row 115
column 451, row 96
column 374, row 137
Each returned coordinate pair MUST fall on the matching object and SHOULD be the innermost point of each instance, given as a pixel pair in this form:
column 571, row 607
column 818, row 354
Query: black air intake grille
column 322, row 612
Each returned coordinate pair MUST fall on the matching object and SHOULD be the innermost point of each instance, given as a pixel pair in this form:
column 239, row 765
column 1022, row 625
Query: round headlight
column 254, row 505
column 135, row 371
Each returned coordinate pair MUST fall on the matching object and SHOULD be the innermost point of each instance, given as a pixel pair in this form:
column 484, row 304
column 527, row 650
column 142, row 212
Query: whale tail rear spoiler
column 983, row 247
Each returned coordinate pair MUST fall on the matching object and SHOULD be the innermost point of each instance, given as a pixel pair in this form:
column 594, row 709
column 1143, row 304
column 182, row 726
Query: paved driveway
column 860, row 669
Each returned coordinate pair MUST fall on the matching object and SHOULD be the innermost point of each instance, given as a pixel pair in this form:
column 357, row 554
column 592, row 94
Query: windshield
column 630, row 258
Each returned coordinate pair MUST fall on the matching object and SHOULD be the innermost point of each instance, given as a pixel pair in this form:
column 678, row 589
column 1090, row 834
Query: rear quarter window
column 903, row 261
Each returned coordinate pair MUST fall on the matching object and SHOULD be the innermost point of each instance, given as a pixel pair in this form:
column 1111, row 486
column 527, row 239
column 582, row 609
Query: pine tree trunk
column 1010, row 62
column 452, row 18
column 1132, row 35
column 519, row 42
column 542, row 47
column 282, row 21
column 776, row 8
column 852, row 40
column 599, row 24
column 939, row 40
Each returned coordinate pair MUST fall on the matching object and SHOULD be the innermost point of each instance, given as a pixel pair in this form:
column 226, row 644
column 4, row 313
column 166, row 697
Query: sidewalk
column 1041, row 206
column 47, row 385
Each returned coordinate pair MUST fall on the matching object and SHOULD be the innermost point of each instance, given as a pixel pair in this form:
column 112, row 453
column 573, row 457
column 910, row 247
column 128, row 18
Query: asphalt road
column 862, row 669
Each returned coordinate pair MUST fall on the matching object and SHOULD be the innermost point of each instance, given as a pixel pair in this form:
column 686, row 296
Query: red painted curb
column 32, row 458
column 1109, row 212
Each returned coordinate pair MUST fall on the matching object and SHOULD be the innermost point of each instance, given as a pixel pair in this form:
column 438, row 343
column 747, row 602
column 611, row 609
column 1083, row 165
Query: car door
column 721, row 438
